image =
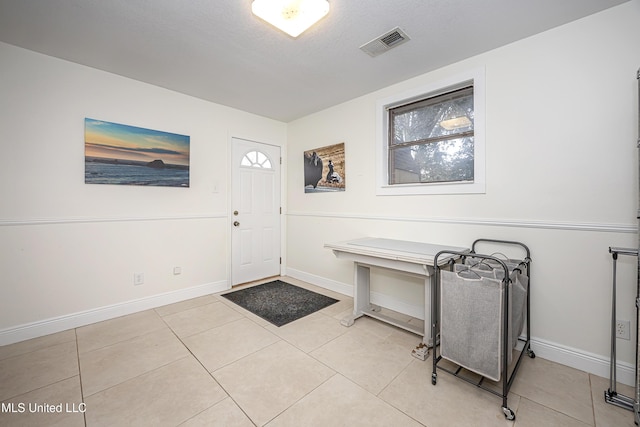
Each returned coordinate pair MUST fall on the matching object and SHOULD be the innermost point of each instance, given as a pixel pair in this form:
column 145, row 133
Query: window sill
column 427, row 189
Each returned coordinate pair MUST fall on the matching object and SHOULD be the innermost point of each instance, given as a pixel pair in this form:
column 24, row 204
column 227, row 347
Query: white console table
column 413, row 258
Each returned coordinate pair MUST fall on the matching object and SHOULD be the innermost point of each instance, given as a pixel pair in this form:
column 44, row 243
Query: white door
column 255, row 207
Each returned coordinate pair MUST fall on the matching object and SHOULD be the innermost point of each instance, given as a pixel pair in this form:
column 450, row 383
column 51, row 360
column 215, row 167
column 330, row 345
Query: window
column 256, row 159
column 431, row 140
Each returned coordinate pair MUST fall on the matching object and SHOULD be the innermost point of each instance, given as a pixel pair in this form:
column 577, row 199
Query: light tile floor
column 208, row 362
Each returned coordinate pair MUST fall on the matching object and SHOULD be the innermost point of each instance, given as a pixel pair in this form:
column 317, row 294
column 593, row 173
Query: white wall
column 561, row 159
column 561, row 177
column 68, row 249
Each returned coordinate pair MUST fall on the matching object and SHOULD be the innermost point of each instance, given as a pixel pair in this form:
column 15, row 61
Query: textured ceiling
column 218, row 51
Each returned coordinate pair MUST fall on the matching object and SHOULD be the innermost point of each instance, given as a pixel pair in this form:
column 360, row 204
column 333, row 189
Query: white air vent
column 385, row 42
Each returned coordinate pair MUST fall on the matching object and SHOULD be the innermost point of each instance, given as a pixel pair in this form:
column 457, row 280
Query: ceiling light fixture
column 456, row 123
column 291, row 16
column 454, row 118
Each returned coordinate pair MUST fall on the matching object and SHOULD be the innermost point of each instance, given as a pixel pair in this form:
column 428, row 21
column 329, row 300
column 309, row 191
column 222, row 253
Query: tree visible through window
column 432, row 140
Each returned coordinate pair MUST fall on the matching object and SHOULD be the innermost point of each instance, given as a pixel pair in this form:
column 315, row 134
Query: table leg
column 422, row 350
column 429, row 283
column 361, row 296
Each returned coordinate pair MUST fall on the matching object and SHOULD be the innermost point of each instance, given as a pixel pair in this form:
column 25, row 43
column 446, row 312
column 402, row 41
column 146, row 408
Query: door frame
column 229, row 216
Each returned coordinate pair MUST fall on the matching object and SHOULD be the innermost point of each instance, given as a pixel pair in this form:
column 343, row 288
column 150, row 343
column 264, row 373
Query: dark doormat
column 279, row 302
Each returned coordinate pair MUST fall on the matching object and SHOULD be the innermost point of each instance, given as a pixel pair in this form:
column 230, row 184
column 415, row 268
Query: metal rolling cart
column 484, row 311
column 611, row 395
column 636, row 407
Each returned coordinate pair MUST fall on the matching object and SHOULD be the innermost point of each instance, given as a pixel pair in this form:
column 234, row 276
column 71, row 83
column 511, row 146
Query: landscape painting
column 324, row 169
column 128, row 155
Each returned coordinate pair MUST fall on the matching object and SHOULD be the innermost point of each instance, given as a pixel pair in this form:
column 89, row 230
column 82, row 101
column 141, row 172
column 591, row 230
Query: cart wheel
column 509, row 414
column 434, row 379
column 531, row 354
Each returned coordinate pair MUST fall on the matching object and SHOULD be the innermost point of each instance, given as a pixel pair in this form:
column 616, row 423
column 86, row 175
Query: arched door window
column 256, row 159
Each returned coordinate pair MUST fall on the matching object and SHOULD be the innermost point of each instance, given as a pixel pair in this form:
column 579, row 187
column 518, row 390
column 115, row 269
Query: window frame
column 474, row 77
column 255, row 164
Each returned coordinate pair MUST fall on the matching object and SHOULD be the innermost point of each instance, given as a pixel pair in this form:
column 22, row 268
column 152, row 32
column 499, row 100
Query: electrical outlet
column 623, row 329
column 138, row 278
column 177, row 270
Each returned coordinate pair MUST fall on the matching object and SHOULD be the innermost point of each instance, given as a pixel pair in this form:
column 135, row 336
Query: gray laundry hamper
column 478, row 313
column 471, row 329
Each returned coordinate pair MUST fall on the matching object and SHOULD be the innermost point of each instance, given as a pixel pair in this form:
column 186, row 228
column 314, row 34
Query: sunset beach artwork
column 128, row 155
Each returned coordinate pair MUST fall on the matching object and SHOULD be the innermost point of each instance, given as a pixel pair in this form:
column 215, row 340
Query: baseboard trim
column 377, row 298
column 584, row 361
column 75, row 320
column 323, row 282
column 574, row 358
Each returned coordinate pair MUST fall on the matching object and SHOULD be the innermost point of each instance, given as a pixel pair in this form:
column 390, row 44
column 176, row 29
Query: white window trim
column 477, row 76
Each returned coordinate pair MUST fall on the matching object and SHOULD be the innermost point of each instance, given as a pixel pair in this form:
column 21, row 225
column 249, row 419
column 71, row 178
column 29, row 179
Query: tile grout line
column 208, row 372
column 305, row 395
column 124, row 341
column 33, row 350
column 42, row 386
column 335, row 372
column 280, row 339
column 377, row 396
column 593, row 404
column 84, row 414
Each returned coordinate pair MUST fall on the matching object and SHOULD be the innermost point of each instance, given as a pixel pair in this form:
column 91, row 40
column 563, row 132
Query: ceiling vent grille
column 385, row 42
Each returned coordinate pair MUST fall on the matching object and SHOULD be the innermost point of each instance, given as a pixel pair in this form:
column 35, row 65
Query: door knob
column 236, row 223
